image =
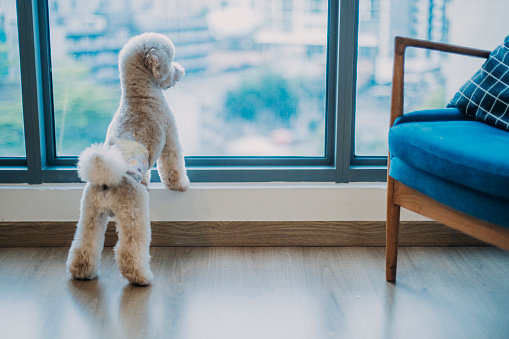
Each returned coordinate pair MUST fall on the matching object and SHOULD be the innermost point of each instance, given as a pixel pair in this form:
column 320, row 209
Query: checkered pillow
column 485, row 96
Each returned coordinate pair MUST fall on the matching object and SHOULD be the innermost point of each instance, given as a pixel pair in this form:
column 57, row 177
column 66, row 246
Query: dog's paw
column 177, row 182
column 81, row 268
column 134, row 269
column 138, row 278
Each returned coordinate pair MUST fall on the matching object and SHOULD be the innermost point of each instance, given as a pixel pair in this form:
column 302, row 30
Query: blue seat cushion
column 477, row 204
column 443, row 146
column 441, row 114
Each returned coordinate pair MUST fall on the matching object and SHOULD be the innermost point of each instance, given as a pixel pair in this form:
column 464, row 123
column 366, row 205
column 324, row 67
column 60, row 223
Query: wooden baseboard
column 246, row 233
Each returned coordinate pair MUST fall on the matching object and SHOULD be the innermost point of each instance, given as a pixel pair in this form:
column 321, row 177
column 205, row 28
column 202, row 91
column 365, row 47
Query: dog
column 117, row 172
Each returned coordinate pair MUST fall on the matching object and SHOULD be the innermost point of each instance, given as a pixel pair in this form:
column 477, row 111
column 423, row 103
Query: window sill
column 214, row 202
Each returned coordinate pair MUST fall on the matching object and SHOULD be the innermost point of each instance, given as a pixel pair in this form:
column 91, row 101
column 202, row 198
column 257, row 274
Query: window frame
column 339, row 163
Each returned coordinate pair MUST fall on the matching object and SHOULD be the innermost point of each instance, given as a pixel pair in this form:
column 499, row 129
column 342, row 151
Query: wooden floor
column 261, row 292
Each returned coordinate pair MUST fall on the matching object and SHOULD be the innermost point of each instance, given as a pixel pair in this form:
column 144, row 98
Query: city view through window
column 256, row 70
column 12, row 138
column 431, row 78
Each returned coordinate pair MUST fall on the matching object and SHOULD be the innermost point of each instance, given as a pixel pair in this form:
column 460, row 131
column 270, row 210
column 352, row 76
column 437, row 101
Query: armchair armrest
column 401, row 43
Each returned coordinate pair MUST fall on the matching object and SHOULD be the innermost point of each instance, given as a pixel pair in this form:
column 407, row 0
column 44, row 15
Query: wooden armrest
column 401, row 44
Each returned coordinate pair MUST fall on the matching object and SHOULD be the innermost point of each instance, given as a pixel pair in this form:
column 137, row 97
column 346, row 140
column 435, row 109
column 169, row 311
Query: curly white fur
column 144, row 117
column 102, row 165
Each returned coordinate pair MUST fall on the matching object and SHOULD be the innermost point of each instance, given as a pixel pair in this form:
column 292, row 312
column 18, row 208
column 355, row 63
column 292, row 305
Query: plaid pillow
column 485, row 96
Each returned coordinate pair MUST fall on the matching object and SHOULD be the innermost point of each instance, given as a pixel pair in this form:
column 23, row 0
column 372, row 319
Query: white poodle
column 142, row 132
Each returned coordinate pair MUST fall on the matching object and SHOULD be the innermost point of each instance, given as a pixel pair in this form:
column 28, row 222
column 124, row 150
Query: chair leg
column 392, row 234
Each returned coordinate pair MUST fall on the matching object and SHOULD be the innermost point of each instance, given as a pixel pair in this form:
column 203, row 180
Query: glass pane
column 431, row 78
column 255, row 72
column 12, row 138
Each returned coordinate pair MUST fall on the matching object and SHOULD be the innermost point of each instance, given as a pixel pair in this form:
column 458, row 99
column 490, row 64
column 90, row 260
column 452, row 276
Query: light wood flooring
column 261, row 292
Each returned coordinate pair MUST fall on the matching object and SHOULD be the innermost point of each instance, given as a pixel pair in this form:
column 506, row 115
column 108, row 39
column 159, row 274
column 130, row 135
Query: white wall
column 478, row 24
column 214, row 202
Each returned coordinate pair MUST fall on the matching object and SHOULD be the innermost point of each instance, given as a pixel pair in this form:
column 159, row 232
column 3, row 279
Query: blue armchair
column 445, row 165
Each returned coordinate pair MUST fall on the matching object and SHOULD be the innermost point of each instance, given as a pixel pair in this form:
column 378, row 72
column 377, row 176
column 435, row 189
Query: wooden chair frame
column 400, row 195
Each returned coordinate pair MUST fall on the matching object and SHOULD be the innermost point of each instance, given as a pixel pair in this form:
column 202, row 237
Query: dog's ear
column 154, row 62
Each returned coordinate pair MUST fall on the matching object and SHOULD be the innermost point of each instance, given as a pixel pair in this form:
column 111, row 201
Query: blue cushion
column 460, row 162
column 480, row 205
column 485, row 96
column 466, row 152
column 441, row 114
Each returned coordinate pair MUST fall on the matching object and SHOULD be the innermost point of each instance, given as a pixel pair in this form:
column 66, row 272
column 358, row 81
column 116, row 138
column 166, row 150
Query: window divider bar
column 332, row 78
column 46, row 84
column 347, row 59
column 30, row 67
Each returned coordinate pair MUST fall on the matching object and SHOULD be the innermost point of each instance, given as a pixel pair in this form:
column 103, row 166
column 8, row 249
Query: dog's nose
column 179, row 70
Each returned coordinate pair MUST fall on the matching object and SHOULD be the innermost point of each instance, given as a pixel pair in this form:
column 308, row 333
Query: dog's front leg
column 171, row 165
column 85, row 253
column 132, row 251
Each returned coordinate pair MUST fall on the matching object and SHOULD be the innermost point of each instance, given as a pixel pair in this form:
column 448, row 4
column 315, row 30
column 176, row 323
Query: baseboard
column 247, row 233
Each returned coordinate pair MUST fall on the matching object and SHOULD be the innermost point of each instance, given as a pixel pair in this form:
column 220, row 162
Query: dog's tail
column 102, row 165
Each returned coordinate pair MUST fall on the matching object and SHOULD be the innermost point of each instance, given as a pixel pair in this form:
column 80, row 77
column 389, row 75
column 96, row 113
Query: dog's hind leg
column 132, row 251
column 85, row 253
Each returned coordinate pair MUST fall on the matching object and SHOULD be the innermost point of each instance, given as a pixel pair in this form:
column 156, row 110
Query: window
column 257, row 102
column 255, row 72
column 12, row 139
column 279, row 90
column 432, row 78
